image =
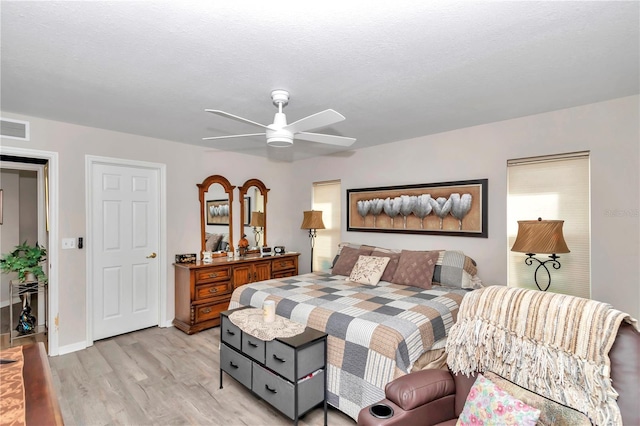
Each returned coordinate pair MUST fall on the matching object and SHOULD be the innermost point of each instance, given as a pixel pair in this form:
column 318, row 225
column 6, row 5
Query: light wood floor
column 161, row 376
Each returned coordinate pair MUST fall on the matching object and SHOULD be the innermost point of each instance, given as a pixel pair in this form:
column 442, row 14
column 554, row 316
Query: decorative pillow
column 454, row 269
column 394, row 258
column 353, row 246
column 415, row 268
column 488, row 404
column 348, row 258
column 368, row 269
column 551, row 412
column 213, row 240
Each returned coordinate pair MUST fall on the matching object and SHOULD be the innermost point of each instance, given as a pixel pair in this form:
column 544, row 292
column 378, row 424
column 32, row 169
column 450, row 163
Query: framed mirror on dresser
column 253, row 212
column 216, row 215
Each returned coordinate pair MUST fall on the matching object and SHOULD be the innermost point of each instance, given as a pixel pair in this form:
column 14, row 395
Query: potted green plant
column 25, row 260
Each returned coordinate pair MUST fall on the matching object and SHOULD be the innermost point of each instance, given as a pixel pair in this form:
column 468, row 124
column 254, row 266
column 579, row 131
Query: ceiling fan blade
column 328, row 139
column 315, row 121
column 232, row 136
column 234, row 117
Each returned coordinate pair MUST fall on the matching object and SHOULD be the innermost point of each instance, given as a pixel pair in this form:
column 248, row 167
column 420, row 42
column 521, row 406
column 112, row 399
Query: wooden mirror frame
column 203, row 189
column 263, row 190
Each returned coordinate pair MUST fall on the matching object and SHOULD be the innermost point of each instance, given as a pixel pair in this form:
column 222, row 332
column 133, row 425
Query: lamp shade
column 312, row 220
column 257, row 219
column 540, row 236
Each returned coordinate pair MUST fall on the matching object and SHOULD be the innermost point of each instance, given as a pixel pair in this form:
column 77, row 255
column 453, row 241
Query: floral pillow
column 394, row 258
column 368, row 269
column 487, row 404
column 551, row 412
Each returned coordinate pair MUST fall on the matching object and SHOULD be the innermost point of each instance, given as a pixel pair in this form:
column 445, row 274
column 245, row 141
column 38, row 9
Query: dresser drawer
column 230, row 333
column 205, row 291
column 210, row 310
column 283, row 264
column 274, row 390
column 236, row 365
column 253, row 347
column 280, row 358
column 283, row 274
column 207, row 275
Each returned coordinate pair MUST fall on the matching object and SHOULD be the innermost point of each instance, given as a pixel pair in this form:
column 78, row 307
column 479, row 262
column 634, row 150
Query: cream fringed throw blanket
column 553, row 344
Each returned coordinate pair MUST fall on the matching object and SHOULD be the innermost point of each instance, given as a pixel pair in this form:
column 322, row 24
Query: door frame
column 90, row 161
column 53, row 243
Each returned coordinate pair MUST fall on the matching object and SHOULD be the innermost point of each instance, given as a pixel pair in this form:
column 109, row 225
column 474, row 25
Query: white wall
column 610, row 130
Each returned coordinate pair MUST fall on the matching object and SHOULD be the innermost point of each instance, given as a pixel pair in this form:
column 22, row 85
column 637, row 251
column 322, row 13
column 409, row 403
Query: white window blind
column 552, row 188
column 326, row 198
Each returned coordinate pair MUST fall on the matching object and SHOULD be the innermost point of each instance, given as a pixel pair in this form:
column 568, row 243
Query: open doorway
column 23, row 220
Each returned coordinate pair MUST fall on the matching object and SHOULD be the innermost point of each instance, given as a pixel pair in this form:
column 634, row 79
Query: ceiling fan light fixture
column 280, row 134
column 280, row 141
column 279, row 137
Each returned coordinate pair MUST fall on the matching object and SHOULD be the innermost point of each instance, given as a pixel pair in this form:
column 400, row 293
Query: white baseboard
column 67, row 349
column 62, row 350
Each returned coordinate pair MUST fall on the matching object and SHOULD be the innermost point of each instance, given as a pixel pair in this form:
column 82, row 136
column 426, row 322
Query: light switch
column 68, row 243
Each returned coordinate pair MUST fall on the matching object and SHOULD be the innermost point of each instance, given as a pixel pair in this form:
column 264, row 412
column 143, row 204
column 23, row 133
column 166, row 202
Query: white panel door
column 125, row 228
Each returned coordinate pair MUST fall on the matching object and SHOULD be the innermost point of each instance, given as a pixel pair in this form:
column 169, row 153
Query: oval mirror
column 216, row 215
column 253, row 212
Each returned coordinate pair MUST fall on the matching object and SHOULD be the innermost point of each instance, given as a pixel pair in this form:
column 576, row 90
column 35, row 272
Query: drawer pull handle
column 253, row 345
column 231, row 332
column 214, row 275
column 269, row 389
column 232, row 364
column 278, row 358
column 213, row 290
column 283, row 264
column 206, row 311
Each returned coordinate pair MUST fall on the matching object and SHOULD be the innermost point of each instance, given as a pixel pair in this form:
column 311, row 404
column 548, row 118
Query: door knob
column 152, row 256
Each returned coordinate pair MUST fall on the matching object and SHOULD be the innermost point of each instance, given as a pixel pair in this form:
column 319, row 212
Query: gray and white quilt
column 376, row 333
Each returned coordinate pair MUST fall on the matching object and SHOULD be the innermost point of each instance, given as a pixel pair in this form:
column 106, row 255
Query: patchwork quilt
column 375, row 333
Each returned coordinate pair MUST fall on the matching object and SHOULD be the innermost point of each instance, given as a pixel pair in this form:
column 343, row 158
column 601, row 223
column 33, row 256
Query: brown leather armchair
column 437, row 397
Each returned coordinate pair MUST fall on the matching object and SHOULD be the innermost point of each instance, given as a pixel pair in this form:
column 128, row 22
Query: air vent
column 14, row 129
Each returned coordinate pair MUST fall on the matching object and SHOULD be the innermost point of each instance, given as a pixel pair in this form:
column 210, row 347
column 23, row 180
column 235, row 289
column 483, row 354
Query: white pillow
column 368, row 269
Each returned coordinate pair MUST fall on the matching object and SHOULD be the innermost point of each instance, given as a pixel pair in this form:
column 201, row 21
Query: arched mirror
column 216, row 214
column 253, row 212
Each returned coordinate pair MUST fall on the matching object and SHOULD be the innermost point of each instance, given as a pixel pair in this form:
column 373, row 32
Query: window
column 552, row 188
column 326, row 198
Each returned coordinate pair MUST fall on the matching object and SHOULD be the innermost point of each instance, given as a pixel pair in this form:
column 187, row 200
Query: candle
column 269, row 311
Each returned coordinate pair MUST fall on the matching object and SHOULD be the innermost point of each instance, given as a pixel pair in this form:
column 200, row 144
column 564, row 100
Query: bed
column 376, row 332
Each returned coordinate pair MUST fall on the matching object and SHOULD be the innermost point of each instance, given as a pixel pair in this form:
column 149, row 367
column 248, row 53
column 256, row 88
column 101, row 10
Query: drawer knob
column 253, row 345
column 269, row 389
column 277, row 358
column 231, row 332
column 283, row 264
column 207, row 310
column 213, row 275
column 213, row 290
column 232, row 364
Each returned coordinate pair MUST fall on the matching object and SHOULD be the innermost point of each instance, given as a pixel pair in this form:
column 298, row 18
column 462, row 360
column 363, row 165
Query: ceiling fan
column 280, row 134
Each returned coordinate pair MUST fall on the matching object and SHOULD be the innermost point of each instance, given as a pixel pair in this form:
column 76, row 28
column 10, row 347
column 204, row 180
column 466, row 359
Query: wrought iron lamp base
column 553, row 258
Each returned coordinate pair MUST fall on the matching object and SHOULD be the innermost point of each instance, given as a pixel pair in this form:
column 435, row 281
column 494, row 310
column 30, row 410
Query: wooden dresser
column 203, row 290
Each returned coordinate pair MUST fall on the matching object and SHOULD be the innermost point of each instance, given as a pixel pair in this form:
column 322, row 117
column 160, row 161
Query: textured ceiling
column 395, row 70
